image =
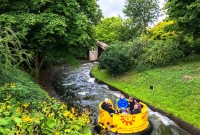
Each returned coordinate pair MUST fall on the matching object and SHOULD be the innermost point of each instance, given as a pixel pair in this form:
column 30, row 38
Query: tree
column 108, row 30
column 128, row 30
column 47, row 24
column 163, row 31
column 142, row 12
column 186, row 13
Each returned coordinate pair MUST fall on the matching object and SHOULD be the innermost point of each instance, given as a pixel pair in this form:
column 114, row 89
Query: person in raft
column 122, row 104
column 107, row 106
column 136, row 109
column 131, row 103
column 137, row 102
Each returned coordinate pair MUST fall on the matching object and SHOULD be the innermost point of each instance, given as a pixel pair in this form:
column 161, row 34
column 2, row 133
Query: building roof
column 102, row 45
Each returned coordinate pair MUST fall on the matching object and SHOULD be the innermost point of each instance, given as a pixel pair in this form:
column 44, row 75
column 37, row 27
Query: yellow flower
column 68, row 130
column 50, row 115
column 26, row 119
column 19, row 125
column 73, row 110
column 8, row 106
column 57, row 133
column 66, row 113
column 18, row 110
column 25, row 105
column 12, row 85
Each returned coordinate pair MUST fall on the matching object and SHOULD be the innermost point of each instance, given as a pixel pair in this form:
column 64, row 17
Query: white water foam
column 68, row 84
column 91, row 80
column 116, row 94
column 165, row 120
column 83, row 93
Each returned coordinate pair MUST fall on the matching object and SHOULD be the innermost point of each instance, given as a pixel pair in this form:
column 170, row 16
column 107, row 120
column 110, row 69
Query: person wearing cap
column 107, row 106
column 122, row 103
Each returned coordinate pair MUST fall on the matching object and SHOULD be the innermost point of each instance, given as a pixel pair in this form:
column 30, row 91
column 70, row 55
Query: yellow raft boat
column 124, row 123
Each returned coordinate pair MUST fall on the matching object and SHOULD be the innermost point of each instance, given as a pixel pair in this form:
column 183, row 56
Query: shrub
column 117, row 58
column 162, row 53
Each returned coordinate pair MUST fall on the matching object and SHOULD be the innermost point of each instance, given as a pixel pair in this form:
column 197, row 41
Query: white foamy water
column 83, row 93
column 165, row 120
column 68, row 84
column 91, row 80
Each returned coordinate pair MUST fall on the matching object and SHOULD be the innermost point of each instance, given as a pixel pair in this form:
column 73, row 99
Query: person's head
column 106, row 100
column 131, row 99
column 122, row 96
column 136, row 106
column 109, row 105
column 136, row 100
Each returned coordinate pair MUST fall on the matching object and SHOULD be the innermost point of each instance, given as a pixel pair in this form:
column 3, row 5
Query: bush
column 117, row 58
column 162, row 53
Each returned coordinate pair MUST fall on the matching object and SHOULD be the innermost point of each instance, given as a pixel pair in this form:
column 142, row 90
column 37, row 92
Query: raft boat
column 135, row 124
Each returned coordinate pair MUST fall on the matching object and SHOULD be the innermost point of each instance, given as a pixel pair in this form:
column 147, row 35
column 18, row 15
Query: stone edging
column 188, row 127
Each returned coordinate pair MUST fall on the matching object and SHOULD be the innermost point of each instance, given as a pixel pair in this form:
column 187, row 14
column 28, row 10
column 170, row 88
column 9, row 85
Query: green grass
column 177, row 88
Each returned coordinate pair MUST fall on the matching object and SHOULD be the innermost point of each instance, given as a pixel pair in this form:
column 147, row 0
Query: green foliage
column 163, row 31
column 20, row 85
column 186, row 14
column 141, row 12
column 58, row 56
column 162, row 53
column 47, row 24
column 108, row 30
column 116, row 58
column 179, row 83
column 11, row 52
column 49, row 117
column 128, row 30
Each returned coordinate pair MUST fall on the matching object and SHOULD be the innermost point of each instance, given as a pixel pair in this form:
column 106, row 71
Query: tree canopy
column 45, row 24
column 108, row 29
column 142, row 12
column 186, row 14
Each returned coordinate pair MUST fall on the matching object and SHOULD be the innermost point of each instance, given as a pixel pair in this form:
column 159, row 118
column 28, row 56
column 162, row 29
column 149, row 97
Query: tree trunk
column 38, row 65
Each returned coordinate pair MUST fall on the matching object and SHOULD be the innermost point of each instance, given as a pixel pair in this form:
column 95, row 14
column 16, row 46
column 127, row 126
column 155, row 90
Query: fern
column 11, row 52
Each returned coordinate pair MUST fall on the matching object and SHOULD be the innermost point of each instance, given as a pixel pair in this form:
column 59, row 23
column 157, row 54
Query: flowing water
column 79, row 89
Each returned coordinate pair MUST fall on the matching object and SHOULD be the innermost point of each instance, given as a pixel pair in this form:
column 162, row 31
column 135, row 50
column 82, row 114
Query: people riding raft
column 122, row 104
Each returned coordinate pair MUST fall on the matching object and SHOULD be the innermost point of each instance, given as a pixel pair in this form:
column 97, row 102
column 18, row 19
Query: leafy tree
column 163, row 31
column 186, row 14
column 141, row 12
column 108, row 30
column 128, row 30
column 47, row 24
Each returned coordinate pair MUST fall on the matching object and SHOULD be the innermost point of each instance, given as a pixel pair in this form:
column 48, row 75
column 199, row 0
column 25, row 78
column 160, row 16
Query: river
column 79, row 89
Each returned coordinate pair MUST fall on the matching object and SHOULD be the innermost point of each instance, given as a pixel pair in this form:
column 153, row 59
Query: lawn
column 176, row 88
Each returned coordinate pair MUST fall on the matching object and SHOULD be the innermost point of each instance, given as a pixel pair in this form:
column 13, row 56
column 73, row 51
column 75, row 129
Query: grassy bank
column 177, row 88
